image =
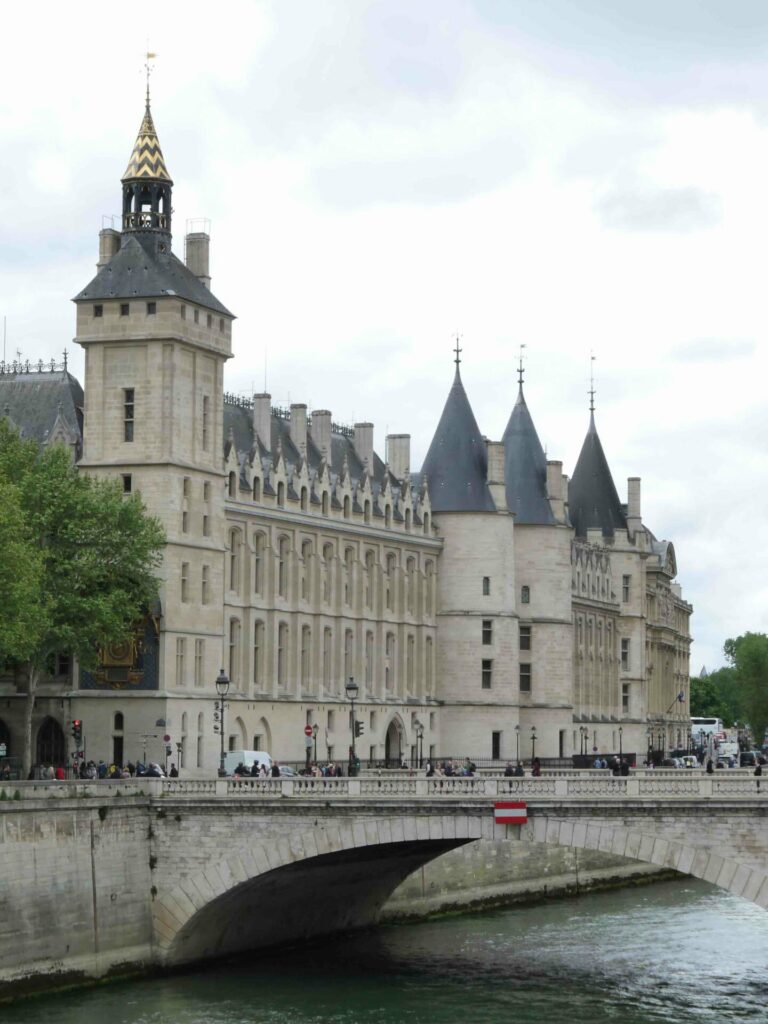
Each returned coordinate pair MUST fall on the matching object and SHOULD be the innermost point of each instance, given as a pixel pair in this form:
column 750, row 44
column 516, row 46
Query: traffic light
column 359, row 727
column 77, row 732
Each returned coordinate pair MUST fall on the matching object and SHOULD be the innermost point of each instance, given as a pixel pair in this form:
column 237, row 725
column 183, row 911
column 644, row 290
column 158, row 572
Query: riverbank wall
column 494, row 873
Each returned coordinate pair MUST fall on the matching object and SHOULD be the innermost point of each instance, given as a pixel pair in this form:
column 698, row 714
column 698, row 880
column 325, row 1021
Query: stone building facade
column 486, row 606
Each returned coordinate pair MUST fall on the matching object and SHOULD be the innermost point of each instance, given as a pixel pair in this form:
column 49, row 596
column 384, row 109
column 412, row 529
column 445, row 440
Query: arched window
column 429, row 666
column 282, row 654
column 118, row 722
column 409, row 660
column 410, row 584
column 199, row 752
column 426, row 522
column 429, row 587
column 306, row 646
column 388, row 515
column 327, row 572
column 327, row 657
column 325, row 503
column 347, row 507
column 408, row 520
column 367, row 511
column 369, row 661
column 348, row 653
column 232, row 485
column 304, row 499
column 258, row 654
column 349, row 561
column 259, row 546
column 234, row 560
column 257, row 488
column 389, row 663
column 283, row 552
column 234, row 651
column 306, row 569
column 281, row 494
column 370, row 561
column 389, row 584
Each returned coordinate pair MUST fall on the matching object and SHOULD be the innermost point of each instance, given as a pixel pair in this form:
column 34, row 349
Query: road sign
column 307, row 730
column 166, row 738
column 510, row 812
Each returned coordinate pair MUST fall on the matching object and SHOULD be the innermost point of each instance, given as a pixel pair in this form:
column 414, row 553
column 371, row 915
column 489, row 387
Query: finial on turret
column 592, row 383
column 148, row 68
column 520, row 370
column 457, row 352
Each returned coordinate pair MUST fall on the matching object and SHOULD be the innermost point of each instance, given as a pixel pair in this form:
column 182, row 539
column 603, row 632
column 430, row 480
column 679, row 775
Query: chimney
column 364, row 444
column 398, row 450
column 634, row 520
column 299, row 428
column 109, row 246
column 197, row 249
column 496, row 484
column 262, row 419
column 321, row 432
column 556, row 488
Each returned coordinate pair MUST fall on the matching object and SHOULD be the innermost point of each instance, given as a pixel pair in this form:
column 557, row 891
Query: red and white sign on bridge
column 510, row 812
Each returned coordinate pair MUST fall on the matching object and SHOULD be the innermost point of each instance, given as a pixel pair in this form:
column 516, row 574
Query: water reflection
column 679, row 953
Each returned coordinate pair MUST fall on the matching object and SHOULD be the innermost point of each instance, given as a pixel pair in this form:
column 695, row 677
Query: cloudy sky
column 578, row 176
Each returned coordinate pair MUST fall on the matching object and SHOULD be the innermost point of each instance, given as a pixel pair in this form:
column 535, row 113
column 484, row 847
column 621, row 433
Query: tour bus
column 702, row 728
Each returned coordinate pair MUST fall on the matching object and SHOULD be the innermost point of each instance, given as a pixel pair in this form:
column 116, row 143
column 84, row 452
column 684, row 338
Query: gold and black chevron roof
column 147, row 160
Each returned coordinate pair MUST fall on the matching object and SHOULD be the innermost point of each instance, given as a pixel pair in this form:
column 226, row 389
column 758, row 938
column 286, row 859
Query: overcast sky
column 573, row 175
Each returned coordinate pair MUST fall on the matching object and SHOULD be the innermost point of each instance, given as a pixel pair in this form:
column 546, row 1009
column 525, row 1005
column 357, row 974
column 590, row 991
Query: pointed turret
column 525, row 466
column 593, row 501
column 147, row 185
column 457, row 461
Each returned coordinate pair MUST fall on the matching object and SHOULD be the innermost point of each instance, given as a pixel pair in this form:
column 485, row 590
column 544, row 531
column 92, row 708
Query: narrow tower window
column 128, row 407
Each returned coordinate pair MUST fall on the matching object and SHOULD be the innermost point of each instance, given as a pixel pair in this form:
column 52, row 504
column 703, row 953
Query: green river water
column 676, row 952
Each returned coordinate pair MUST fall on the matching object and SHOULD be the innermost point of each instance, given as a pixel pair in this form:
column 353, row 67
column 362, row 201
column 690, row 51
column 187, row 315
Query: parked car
column 671, row 762
column 748, row 759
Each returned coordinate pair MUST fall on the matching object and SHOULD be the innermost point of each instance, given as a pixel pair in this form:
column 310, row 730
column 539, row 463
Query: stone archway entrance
column 393, row 745
column 51, row 746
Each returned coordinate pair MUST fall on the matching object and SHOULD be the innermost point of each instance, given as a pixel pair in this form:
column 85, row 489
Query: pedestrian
column 519, row 771
column 536, row 768
column 174, row 772
column 758, row 773
column 60, row 773
column 430, row 770
column 275, row 772
column 710, row 768
column 509, row 770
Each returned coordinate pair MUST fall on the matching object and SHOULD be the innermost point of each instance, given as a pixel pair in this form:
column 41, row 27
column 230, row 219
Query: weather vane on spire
column 458, row 351
column 148, row 67
column 592, row 382
column 520, row 367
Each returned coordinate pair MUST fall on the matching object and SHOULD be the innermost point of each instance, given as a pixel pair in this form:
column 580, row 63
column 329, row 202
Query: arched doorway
column 51, row 748
column 262, row 738
column 393, row 744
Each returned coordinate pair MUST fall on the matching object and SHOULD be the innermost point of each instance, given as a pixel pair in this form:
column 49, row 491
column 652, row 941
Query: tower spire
column 457, row 353
column 592, row 385
column 146, row 182
column 520, row 370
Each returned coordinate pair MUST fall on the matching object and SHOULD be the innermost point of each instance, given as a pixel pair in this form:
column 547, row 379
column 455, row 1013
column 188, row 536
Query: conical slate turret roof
column 525, row 468
column 147, row 162
column 457, row 462
column 593, row 502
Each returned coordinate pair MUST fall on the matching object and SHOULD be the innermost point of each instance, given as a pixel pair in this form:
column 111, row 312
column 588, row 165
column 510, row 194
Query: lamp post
column 533, row 743
column 180, row 755
column 222, row 688
column 315, row 731
column 621, row 749
column 649, row 734
column 517, row 743
column 584, row 739
column 352, row 691
column 419, row 739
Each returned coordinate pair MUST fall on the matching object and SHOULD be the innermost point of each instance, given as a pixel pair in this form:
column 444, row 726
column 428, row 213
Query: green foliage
column 749, row 656
column 717, row 695
column 86, row 556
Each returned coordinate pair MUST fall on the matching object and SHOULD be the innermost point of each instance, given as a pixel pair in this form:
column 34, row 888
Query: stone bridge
column 166, row 872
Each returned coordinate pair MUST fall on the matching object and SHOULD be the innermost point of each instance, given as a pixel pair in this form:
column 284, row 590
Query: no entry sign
column 510, row 812
column 307, row 730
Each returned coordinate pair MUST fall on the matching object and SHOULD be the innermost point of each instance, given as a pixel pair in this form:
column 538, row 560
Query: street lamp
column 222, row 688
column 584, row 736
column 517, row 743
column 419, row 739
column 621, row 749
column 649, row 734
column 315, row 731
column 352, row 690
column 180, row 754
column 533, row 743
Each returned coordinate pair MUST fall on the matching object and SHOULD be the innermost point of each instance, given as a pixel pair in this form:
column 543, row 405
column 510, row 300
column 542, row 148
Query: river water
column 675, row 952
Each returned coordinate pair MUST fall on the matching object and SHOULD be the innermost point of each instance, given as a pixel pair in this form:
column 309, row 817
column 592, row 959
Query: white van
column 232, row 758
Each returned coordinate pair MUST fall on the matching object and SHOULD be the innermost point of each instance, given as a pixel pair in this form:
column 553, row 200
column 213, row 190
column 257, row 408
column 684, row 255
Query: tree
column 707, row 698
column 95, row 551
column 749, row 656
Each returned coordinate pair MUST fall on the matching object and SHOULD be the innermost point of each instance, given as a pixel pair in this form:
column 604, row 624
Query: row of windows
column 151, row 310
column 198, row 662
column 525, row 591
column 129, row 418
column 486, row 675
column 259, row 673
column 524, row 634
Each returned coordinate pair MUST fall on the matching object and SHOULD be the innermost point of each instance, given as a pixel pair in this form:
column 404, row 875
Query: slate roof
column 456, row 464
column 593, row 502
column 34, row 400
column 525, row 468
column 139, row 270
